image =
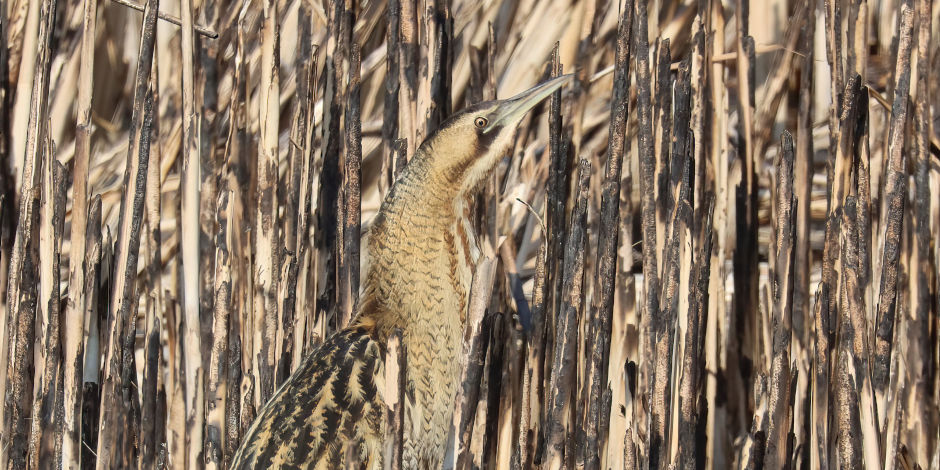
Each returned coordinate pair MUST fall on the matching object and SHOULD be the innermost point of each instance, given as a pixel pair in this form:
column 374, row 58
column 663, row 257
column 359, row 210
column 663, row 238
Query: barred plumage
column 328, row 407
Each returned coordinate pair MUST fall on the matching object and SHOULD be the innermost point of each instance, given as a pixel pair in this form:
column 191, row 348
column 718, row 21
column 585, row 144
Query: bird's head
column 470, row 143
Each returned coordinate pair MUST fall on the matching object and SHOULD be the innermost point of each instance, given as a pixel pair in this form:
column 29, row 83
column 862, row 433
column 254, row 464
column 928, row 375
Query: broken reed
column 628, row 348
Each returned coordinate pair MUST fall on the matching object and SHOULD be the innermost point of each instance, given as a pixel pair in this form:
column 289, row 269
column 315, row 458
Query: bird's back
column 327, row 414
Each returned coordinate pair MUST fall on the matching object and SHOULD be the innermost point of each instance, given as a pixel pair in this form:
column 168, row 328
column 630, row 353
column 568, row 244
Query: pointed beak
column 510, row 111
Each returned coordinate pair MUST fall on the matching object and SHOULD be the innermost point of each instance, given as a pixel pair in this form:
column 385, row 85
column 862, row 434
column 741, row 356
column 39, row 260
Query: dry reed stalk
column 719, row 336
column 151, row 426
column 174, row 20
column 73, row 322
column 435, row 35
column 26, row 45
column 118, row 391
column 300, row 157
column 265, row 306
column 776, row 82
column 21, row 294
column 193, row 382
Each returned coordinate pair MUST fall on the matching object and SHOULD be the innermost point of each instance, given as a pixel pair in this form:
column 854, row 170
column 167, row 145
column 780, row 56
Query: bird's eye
column 480, row 122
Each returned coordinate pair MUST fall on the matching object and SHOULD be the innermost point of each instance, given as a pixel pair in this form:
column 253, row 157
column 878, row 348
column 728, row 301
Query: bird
column 422, row 251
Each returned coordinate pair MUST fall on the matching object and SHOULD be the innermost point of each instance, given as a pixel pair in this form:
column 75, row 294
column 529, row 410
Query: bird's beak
column 510, row 111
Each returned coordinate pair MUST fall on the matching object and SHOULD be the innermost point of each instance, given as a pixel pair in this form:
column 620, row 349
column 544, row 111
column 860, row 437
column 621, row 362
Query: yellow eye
column 480, row 122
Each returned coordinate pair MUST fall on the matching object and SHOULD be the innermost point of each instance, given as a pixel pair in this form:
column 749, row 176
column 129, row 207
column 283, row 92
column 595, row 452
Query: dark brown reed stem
column 819, row 416
column 392, row 86
column 847, row 395
column 834, row 57
column 217, row 378
column 596, row 417
column 919, row 353
column 780, row 421
column 328, row 223
column 349, row 261
column 647, row 176
column 564, row 360
column 21, row 294
column 533, row 382
column 556, row 195
column 745, row 306
column 662, row 108
column 234, row 419
column 495, row 362
column 475, row 344
column 676, row 265
column 150, row 425
column 692, row 402
column 116, row 399
column 854, row 300
column 7, row 183
column 895, row 194
column 803, row 165
column 647, row 164
column 298, row 194
column 46, row 430
column 837, row 181
column 90, row 390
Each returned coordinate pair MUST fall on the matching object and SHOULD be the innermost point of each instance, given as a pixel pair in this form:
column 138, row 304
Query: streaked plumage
column 421, row 255
column 328, row 407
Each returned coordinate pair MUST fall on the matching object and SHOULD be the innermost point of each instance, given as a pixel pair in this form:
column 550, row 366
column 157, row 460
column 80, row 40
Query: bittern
column 422, row 252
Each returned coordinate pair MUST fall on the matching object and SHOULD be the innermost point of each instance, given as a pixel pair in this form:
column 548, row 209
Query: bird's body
column 421, row 255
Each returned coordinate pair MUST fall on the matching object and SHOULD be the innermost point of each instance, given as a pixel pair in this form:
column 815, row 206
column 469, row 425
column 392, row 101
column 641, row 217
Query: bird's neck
column 422, row 252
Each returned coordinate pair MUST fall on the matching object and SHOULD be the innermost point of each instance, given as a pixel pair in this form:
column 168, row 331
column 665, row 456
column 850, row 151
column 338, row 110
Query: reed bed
column 717, row 249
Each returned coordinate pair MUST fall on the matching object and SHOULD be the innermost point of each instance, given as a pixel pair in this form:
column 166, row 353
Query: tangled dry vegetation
column 719, row 249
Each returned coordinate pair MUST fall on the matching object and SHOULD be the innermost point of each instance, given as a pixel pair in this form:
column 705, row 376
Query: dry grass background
column 181, row 211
